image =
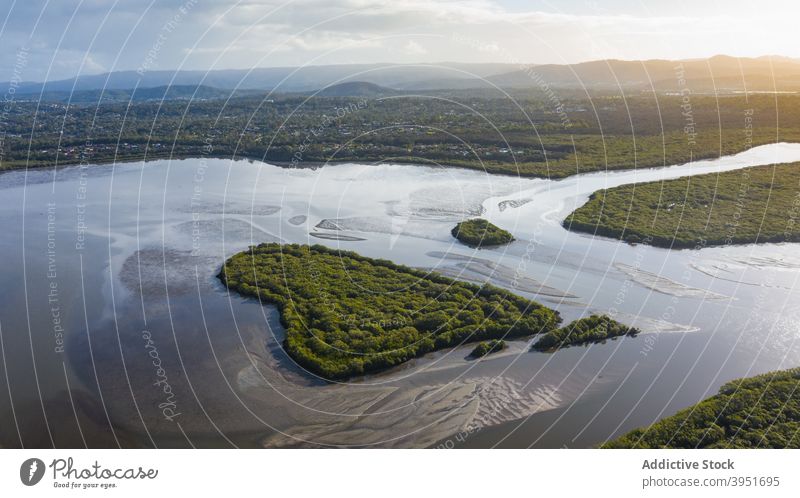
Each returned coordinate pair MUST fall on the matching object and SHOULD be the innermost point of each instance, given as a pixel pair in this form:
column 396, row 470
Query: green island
column 594, row 328
column 347, row 314
column 488, row 347
column 756, row 412
column 751, row 205
column 478, row 232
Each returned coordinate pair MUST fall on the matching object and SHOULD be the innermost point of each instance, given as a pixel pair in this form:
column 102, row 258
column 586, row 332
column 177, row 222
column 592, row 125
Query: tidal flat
column 144, row 226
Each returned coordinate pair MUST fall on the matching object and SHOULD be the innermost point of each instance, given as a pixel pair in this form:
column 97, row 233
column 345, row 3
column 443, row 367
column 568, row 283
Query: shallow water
column 120, row 262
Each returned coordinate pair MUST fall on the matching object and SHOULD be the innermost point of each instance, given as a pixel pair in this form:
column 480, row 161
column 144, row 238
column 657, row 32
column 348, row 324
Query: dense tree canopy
column 756, row 412
column 594, row 328
column 488, row 347
column 480, row 233
column 758, row 204
column 346, row 314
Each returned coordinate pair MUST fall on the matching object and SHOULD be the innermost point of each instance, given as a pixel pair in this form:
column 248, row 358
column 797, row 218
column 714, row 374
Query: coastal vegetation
column 488, row 347
column 346, row 314
column 756, row 412
column 752, row 205
column 478, row 232
column 527, row 136
column 594, row 328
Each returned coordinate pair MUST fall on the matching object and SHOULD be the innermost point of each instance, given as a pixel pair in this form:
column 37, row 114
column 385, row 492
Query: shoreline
column 281, row 164
column 417, row 161
column 598, row 231
column 573, row 227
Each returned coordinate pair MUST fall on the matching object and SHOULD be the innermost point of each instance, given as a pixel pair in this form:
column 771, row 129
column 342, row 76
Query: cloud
column 243, row 34
column 414, row 48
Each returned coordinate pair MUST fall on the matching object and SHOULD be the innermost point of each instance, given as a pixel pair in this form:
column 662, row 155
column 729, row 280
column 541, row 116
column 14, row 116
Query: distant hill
column 178, row 92
column 721, row 73
column 280, row 79
column 356, row 89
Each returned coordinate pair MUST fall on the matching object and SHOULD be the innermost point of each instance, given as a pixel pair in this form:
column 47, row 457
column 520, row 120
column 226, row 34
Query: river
column 115, row 332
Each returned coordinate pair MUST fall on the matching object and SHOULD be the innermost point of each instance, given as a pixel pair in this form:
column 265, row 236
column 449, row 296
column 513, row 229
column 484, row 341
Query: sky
column 45, row 40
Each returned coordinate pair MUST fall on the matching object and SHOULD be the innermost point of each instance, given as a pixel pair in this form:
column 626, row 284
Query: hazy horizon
column 47, row 41
column 438, row 63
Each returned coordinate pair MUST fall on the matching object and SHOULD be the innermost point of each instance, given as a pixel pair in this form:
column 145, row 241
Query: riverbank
column 570, row 155
column 753, row 205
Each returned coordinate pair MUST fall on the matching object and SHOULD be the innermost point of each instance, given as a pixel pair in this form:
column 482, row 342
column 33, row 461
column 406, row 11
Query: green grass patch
column 751, row 205
column 347, row 314
column 480, row 233
column 756, row 412
column 595, row 328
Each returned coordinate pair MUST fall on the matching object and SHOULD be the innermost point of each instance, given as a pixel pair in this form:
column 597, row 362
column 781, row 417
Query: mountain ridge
column 762, row 73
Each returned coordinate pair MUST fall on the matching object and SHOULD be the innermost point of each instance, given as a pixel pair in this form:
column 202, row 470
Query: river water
column 115, row 332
